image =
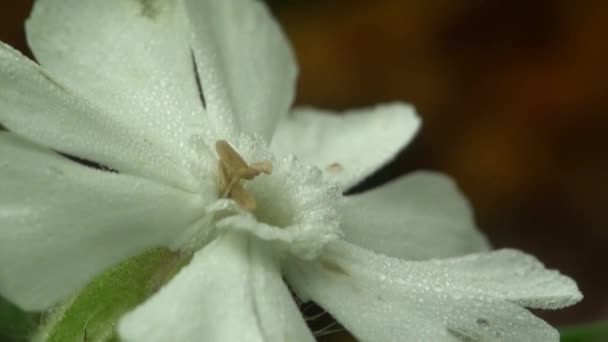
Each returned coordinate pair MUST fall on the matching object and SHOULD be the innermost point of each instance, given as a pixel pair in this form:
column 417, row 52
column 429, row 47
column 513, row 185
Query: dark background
column 514, row 100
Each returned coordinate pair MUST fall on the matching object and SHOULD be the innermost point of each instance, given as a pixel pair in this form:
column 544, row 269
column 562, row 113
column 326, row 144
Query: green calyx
column 93, row 314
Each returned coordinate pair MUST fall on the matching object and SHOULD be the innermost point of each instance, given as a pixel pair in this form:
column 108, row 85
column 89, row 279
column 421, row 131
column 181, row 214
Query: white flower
column 150, row 89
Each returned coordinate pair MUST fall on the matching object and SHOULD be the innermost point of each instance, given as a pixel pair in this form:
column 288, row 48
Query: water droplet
column 482, row 322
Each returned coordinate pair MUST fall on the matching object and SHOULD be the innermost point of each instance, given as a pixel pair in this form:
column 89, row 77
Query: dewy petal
column 231, row 291
column 472, row 298
column 246, row 65
column 347, row 147
column 39, row 108
column 132, row 59
column 417, row 217
column 62, row 223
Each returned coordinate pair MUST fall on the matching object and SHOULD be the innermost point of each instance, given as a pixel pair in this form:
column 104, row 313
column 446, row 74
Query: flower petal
column 247, row 67
column 62, row 223
column 472, row 298
column 417, row 217
column 231, row 291
column 348, row 147
column 39, row 108
column 131, row 58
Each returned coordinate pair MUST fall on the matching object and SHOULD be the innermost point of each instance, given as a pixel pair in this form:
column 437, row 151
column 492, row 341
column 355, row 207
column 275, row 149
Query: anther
column 232, row 168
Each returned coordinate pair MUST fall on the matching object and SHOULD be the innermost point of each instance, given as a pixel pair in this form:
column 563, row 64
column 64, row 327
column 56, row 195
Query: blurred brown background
column 514, row 103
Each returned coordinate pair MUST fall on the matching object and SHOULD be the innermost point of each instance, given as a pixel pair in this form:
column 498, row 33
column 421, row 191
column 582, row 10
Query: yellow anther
column 229, row 157
column 232, row 168
column 264, row 167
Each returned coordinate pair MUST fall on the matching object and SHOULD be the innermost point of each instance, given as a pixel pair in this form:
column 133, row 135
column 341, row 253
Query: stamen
column 243, row 198
column 224, row 178
column 229, row 157
column 265, row 167
column 231, row 169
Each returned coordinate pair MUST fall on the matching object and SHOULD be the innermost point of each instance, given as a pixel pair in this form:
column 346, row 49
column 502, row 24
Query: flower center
column 289, row 203
column 232, row 168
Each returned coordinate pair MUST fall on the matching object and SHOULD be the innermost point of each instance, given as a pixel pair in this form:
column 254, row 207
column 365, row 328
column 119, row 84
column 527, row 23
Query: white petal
column 61, row 223
column 473, row 298
column 347, row 147
column 417, row 217
column 131, row 58
column 231, row 291
column 37, row 107
column 246, row 65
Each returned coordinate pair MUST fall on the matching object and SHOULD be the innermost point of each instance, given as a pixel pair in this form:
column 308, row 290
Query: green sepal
column 93, row 314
